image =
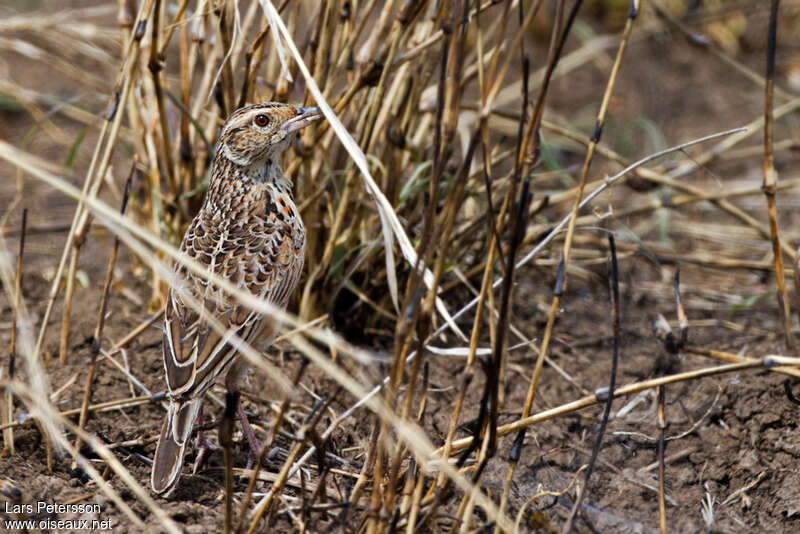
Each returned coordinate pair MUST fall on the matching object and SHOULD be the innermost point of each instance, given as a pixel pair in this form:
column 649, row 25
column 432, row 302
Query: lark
column 249, row 232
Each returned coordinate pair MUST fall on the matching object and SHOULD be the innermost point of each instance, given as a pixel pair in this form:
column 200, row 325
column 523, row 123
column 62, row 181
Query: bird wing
column 260, row 256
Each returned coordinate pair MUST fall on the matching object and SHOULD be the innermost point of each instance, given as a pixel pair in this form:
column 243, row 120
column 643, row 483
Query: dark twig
column 226, row 441
column 771, row 179
column 613, row 280
column 124, row 450
column 787, row 387
column 505, row 309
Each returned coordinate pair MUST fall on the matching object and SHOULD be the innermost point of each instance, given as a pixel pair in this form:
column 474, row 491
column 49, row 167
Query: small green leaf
column 411, row 187
column 74, row 149
column 9, row 103
column 749, row 302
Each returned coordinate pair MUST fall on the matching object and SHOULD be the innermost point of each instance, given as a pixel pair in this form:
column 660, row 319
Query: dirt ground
column 736, row 445
column 741, row 428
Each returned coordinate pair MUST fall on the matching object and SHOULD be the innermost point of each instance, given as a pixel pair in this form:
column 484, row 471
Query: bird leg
column 255, row 447
column 231, row 384
column 202, row 444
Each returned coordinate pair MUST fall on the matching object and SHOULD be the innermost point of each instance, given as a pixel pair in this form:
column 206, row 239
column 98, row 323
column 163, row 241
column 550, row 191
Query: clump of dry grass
column 415, row 188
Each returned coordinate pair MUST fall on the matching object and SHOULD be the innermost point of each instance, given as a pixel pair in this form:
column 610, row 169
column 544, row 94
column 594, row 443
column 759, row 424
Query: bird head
column 261, row 132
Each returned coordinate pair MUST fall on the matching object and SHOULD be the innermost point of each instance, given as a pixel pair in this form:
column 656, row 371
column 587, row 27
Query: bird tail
column 171, row 446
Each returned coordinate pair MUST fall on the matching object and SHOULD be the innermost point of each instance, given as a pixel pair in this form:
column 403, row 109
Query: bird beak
column 304, row 117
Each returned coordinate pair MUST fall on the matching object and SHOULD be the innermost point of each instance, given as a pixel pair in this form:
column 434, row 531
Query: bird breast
column 257, row 244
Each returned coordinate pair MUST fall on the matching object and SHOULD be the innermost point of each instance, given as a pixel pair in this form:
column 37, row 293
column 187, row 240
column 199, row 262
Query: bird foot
column 205, row 449
column 255, row 447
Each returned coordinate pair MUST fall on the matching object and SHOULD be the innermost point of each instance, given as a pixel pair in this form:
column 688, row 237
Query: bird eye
column 261, row 120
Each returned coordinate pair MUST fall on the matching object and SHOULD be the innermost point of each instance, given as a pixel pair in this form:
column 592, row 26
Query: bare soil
column 743, row 429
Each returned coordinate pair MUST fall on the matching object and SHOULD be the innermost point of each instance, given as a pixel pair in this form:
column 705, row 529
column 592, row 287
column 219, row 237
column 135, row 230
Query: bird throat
column 255, row 175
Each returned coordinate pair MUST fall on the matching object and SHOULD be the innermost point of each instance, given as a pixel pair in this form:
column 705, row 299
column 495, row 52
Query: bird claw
column 205, row 449
column 255, row 446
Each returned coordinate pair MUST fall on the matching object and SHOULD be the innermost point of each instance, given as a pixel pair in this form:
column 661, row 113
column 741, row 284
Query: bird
column 249, row 232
